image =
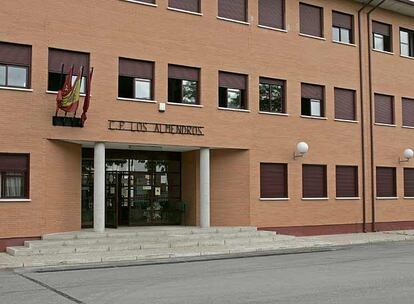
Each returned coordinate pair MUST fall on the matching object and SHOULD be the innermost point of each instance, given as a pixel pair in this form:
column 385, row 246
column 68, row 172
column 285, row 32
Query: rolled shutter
column 384, row 109
column 381, row 28
column 272, row 13
column 342, row 20
column 311, row 20
column 346, row 181
column 408, row 112
column 273, row 180
column 182, row 72
column 14, row 162
column 312, row 91
column 68, row 58
column 233, row 9
column 136, row 68
column 232, row 80
column 408, row 182
column 314, row 181
column 187, row 5
column 271, row 81
column 345, row 104
column 386, row 182
column 18, row 54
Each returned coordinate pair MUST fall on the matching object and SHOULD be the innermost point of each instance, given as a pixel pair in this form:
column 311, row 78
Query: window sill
column 136, row 100
column 272, row 28
column 55, row 93
column 348, row 198
column 185, row 105
column 233, row 20
column 346, row 120
column 408, row 198
column 16, row 89
column 386, row 198
column 384, row 125
column 408, row 127
column 313, row 37
column 407, row 57
column 273, row 113
column 15, row 200
column 314, row 117
column 315, row 198
column 142, row 3
column 383, row 52
column 344, row 43
column 184, row 11
column 233, row 110
column 274, row 199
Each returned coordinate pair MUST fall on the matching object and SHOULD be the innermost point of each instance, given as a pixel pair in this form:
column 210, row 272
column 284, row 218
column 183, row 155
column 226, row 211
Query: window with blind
column 384, row 109
column 15, row 65
column 232, row 90
column 60, row 63
column 183, row 84
column 342, row 27
column 386, row 182
column 233, row 9
column 313, row 100
column 345, row 104
column 346, row 181
column 409, row 182
column 273, row 181
column 314, row 181
column 272, row 13
column 14, row 176
column 311, row 20
column 382, row 36
column 135, row 79
column 272, row 95
column 408, row 112
column 407, row 42
column 185, row 5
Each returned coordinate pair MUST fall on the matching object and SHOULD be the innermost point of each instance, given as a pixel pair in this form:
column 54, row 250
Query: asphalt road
column 369, row 274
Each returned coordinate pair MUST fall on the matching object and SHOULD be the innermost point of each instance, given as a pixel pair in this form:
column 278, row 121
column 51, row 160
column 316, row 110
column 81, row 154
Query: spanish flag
column 67, row 98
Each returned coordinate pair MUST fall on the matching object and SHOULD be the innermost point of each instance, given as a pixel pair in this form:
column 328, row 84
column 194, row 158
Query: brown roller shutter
column 68, row 58
column 233, row 9
column 136, row 68
column 346, row 181
column 232, row 80
column 187, row 5
column 386, row 182
column 409, row 182
column 384, row 109
column 381, row 28
column 312, row 91
column 273, row 180
column 14, row 162
column 345, row 104
column 182, row 72
column 408, row 112
column 18, row 54
column 314, row 181
column 272, row 13
column 271, row 81
column 311, row 20
column 342, row 20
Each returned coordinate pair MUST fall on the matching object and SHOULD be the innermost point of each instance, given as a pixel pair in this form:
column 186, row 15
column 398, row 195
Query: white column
column 204, row 187
column 99, row 188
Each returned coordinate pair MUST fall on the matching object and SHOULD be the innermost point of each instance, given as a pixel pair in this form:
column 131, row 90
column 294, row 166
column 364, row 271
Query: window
column 345, row 104
column 346, row 181
column 272, row 95
column 407, row 42
column 408, row 112
column 408, row 182
column 386, row 182
column 135, row 79
column 15, row 64
column 183, row 84
column 147, row 1
column 272, row 13
column 232, row 90
column 342, row 27
column 68, row 59
column 311, row 20
column 382, row 36
column 185, row 5
column 384, row 109
column 312, row 100
column 14, row 176
column 233, row 9
column 273, row 181
column 314, row 181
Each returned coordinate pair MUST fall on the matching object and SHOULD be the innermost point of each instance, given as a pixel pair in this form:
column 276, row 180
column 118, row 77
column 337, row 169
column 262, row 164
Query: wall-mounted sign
column 152, row 127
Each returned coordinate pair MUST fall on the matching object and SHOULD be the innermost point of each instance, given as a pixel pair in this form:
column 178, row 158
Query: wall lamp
column 408, row 154
column 301, row 149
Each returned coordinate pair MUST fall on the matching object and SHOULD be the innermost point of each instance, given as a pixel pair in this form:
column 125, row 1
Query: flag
column 87, row 97
column 67, row 98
